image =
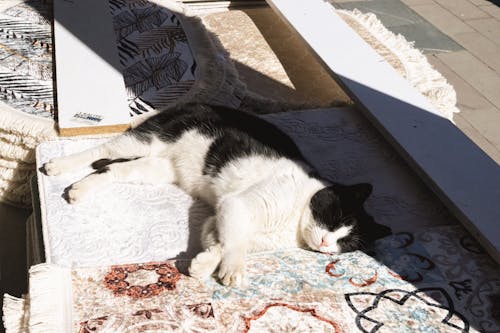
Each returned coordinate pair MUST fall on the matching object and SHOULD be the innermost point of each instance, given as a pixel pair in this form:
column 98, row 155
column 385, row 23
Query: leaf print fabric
column 157, row 63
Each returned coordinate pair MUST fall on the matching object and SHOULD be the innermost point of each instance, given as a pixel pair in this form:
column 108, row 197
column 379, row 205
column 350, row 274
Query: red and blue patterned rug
column 437, row 280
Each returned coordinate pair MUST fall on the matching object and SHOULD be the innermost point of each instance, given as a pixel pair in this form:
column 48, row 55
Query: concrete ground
column 461, row 39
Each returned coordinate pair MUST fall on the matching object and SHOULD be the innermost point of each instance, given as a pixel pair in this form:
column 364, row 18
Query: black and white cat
column 264, row 192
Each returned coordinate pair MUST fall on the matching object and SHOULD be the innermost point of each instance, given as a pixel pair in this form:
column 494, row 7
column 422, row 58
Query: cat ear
column 361, row 192
column 375, row 230
column 354, row 195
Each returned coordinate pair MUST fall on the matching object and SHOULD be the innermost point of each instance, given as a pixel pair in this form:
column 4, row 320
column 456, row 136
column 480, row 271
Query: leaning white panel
column 459, row 172
column 91, row 96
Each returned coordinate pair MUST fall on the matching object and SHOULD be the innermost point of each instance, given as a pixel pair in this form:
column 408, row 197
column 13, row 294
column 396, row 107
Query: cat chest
column 188, row 158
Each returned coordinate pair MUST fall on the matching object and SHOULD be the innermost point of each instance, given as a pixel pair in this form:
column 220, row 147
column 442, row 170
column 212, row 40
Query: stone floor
column 461, row 39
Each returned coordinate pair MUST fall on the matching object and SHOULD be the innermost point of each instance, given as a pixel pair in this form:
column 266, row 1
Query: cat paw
column 76, row 192
column 232, row 273
column 53, row 167
column 203, row 265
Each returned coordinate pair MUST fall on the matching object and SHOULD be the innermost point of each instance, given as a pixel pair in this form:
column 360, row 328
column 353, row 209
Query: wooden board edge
column 74, row 131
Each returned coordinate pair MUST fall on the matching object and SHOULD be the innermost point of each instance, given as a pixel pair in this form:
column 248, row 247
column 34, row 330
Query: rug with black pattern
column 438, row 280
column 157, row 64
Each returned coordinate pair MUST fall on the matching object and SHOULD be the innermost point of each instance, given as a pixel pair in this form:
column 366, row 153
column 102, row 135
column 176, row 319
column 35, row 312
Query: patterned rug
column 157, row 63
column 437, row 280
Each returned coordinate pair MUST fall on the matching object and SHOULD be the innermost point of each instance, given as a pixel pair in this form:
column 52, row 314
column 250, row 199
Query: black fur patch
column 236, row 133
column 326, row 209
column 102, row 170
column 99, row 164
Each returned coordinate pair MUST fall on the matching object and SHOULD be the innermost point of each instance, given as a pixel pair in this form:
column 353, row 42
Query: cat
column 265, row 194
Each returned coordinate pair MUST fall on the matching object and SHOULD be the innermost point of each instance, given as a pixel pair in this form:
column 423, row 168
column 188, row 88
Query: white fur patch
column 322, row 240
column 188, row 157
column 331, row 239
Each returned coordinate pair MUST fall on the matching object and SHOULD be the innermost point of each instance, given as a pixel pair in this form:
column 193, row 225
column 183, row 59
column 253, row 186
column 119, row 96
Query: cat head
column 336, row 222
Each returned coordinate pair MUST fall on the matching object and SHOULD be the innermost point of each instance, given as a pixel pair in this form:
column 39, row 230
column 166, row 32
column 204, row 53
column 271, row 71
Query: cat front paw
column 232, row 272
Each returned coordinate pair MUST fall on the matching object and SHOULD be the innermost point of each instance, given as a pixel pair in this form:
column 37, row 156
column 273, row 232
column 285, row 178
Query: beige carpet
column 275, row 63
column 271, row 59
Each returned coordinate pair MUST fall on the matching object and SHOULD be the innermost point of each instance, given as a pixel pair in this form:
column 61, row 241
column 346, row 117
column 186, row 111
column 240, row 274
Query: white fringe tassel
column 50, row 299
column 419, row 72
column 15, row 314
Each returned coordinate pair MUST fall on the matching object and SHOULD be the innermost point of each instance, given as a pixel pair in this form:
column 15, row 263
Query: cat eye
column 350, row 243
column 349, row 220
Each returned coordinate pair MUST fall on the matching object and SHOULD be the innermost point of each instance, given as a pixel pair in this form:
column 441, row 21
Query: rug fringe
column 15, row 175
column 15, row 164
column 15, row 194
column 419, row 72
column 16, row 122
column 16, row 152
column 50, row 299
column 15, row 314
column 27, row 142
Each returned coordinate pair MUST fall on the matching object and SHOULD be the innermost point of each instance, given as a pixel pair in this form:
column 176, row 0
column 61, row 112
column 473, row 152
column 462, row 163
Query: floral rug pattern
column 412, row 282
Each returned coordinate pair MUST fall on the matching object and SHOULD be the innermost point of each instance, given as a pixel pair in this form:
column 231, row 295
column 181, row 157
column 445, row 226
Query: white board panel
column 461, row 174
column 91, row 95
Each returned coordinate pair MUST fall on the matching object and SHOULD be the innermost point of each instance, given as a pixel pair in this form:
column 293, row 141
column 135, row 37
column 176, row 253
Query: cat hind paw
column 53, row 168
column 76, row 193
column 203, row 265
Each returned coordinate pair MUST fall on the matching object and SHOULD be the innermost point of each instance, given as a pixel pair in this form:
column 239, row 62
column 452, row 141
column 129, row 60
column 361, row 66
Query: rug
column 271, row 59
column 167, row 56
column 275, row 63
column 126, row 223
column 436, row 280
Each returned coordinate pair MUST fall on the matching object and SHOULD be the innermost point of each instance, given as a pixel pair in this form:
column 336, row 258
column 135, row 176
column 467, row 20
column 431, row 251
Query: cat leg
column 146, row 170
column 234, row 224
column 124, row 146
column 206, row 262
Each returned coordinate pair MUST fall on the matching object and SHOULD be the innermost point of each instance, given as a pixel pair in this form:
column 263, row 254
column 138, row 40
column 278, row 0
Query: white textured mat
column 123, row 223
column 129, row 223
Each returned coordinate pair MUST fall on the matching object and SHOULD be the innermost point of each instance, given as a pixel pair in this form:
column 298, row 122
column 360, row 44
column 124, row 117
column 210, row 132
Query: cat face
column 337, row 221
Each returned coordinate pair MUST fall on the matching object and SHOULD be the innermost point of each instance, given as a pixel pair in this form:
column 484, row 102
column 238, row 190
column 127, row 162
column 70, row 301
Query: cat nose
column 324, row 242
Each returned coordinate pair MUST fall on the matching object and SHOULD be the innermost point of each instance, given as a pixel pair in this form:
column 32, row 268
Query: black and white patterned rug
column 158, row 65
